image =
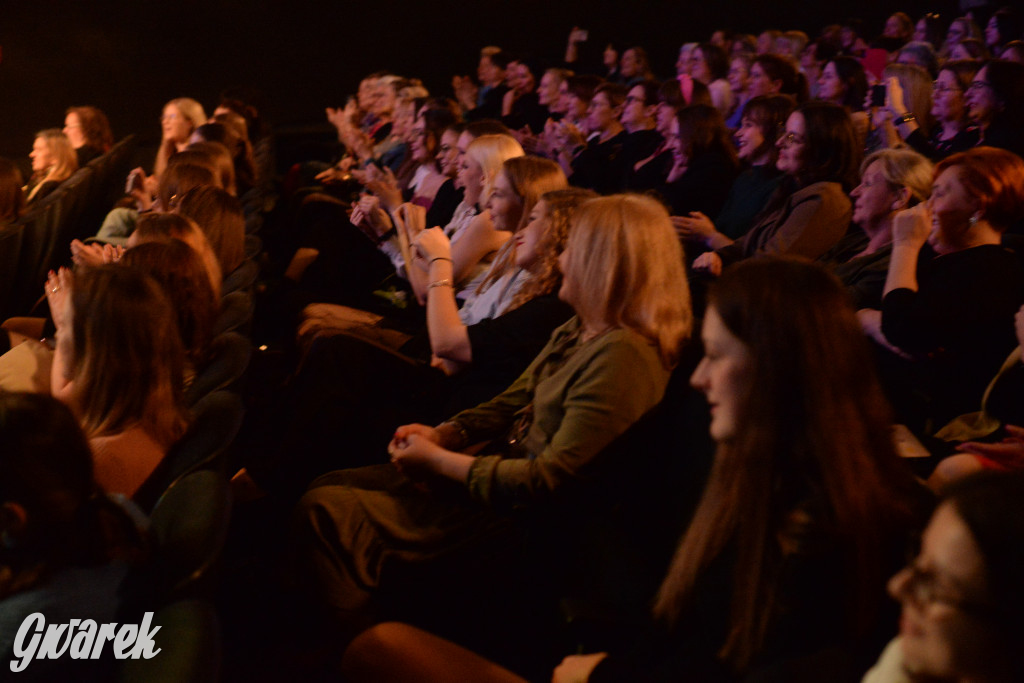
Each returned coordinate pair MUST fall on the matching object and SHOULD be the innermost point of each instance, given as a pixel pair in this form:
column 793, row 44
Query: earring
column 973, row 220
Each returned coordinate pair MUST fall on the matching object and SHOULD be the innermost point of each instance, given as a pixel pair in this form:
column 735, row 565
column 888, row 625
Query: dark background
column 128, row 58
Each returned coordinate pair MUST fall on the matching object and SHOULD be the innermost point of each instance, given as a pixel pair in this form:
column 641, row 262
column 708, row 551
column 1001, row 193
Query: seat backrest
column 216, row 421
column 190, row 644
column 241, row 278
column 189, row 525
column 229, row 358
column 236, row 311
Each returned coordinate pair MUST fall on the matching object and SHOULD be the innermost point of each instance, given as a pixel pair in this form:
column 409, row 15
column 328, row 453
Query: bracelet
column 439, row 283
column 440, row 258
column 906, row 118
column 386, row 236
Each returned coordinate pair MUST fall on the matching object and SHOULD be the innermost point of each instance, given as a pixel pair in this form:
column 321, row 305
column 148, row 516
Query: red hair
column 996, row 178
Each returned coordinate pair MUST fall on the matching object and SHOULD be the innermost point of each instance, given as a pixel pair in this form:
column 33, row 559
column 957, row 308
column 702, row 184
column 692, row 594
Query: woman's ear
column 902, row 200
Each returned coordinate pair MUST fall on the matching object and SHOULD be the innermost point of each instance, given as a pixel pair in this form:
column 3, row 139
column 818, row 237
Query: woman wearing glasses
column 810, row 211
column 952, row 131
column 995, row 102
column 961, row 596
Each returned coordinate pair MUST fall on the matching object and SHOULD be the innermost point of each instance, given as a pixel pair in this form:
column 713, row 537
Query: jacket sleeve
column 613, row 390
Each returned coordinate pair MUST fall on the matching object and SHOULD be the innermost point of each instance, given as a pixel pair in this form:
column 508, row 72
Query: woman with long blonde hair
column 180, row 117
column 598, row 374
column 349, row 385
column 53, row 162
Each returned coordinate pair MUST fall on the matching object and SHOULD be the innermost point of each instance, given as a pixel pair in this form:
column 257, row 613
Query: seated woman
column 347, row 385
column 184, row 171
column 420, row 177
column 805, row 486
column 119, row 365
column 709, row 64
column 219, row 158
column 180, row 271
column 181, row 116
column 517, row 188
column 946, row 324
column 53, row 162
column 915, row 85
column 234, row 137
column 764, row 117
column 674, row 94
column 88, row 131
column 810, row 211
column 179, row 120
column 961, row 596
column 739, row 84
column 161, row 227
column 705, row 161
column 843, row 82
column 952, row 131
column 594, row 163
column 220, row 217
column 599, row 373
column 892, row 180
column 67, row 547
column 774, row 75
column 638, row 118
column 995, row 103
column 474, row 235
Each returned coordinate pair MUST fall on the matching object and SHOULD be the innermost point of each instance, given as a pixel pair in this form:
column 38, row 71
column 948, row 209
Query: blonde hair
column 626, row 265
column 904, row 168
column 190, row 109
column 529, row 177
column 65, row 160
column 917, row 85
column 193, row 112
column 491, row 151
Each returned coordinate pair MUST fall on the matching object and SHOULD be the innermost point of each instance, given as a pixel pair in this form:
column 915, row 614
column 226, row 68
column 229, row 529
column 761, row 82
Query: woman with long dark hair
column 805, row 514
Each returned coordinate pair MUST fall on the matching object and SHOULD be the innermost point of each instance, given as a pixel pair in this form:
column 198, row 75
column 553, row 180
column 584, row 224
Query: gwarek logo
column 81, row 639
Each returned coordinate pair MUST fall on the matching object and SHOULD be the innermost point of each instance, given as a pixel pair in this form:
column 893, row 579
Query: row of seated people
column 144, row 345
column 371, row 538
column 366, row 534
column 613, row 269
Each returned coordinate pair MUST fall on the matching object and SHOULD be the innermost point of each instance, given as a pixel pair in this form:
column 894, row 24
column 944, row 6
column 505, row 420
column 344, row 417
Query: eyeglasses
column 978, row 85
column 787, row 139
column 922, row 586
column 942, row 89
column 630, row 99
